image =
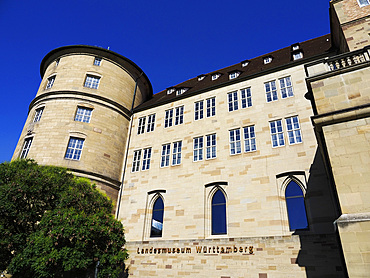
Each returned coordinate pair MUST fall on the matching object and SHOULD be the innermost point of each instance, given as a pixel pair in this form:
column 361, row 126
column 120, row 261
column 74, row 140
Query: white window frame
column 92, row 81
column 246, row 97
column 83, row 114
column 211, row 142
column 271, row 94
column 179, row 115
column 151, row 123
column 234, row 74
column 363, row 3
column 215, row 76
column 235, row 141
column 286, row 87
column 136, row 161
column 232, row 100
column 267, row 60
column 97, row 61
column 198, row 110
column 211, row 107
column 176, row 153
column 26, row 147
column 198, row 145
column 165, row 155
column 168, row 119
column 298, row 55
column 50, row 82
column 249, row 139
column 293, row 130
column 277, row 133
column 147, row 155
column 74, row 148
column 141, row 125
column 38, row 114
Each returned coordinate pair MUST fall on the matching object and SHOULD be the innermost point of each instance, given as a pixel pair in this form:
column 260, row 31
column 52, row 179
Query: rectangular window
column 179, row 115
column 271, row 93
column 26, row 147
column 286, row 87
column 136, row 161
column 210, row 146
column 233, row 101
column 168, row 118
column 97, row 61
column 50, row 82
column 293, row 130
column 165, row 156
column 249, row 139
column 38, row 114
column 147, row 154
column 198, row 149
column 211, row 106
column 198, row 110
column 277, row 135
column 74, row 148
column 151, row 123
column 363, row 3
column 246, row 97
column 176, row 153
column 141, row 125
column 92, row 81
column 83, row 115
column 235, row 145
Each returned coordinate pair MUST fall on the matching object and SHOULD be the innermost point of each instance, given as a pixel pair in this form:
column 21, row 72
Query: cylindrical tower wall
column 81, row 114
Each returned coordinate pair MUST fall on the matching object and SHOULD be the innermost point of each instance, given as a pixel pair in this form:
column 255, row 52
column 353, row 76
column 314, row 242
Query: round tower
column 80, row 116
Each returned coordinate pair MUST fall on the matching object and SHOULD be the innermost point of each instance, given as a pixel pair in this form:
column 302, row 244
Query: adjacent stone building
column 260, row 169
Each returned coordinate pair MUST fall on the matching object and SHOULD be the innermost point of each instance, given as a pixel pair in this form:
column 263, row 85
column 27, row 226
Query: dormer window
column 295, row 47
column 181, row 91
column 170, row 90
column 267, row 60
column 234, row 74
column 201, row 77
column 245, row 63
column 297, row 55
column 215, row 76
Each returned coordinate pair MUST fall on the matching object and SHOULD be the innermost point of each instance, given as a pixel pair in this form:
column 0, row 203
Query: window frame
column 232, row 101
column 211, row 107
column 155, row 200
column 50, row 82
column 38, row 114
column 294, row 132
column 198, row 110
column 97, row 61
column 176, row 153
column 84, row 115
column 150, row 123
column 235, row 144
column 363, row 5
column 218, row 217
column 246, row 97
column 211, row 148
column 198, row 145
column 300, row 210
column 75, row 148
column 249, row 138
column 271, row 95
column 179, row 115
column 92, row 81
column 141, row 125
column 165, row 155
column 147, row 155
column 168, row 118
column 283, row 83
column 26, row 147
column 272, row 134
column 136, row 158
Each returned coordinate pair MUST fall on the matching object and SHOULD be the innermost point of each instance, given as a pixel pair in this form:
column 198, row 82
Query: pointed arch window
column 219, row 213
column 157, row 218
column 295, row 206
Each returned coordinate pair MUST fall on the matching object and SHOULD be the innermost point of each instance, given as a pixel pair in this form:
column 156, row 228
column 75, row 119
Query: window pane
column 157, row 218
column 218, row 213
column 295, row 206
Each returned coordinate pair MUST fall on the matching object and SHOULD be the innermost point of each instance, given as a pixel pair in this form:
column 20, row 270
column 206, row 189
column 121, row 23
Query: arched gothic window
column 218, row 213
column 157, row 218
column 295, row 205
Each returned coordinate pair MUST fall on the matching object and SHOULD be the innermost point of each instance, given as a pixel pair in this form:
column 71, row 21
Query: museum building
column 260, row 169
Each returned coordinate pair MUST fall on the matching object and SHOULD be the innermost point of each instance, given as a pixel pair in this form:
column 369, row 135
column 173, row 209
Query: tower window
column 97, row 61
column 83, row 114
column 50, row 82
column 157, row 218
column 295, row 206
column 74, row 148
column 92, row 81
column 38, row 114
column 26, row 147
column 218, row 213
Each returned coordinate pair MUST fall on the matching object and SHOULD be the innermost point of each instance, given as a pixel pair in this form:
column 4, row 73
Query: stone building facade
column 260, row 169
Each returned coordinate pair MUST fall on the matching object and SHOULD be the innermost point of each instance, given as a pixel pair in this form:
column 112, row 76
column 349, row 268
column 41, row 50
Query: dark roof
column 282, row 58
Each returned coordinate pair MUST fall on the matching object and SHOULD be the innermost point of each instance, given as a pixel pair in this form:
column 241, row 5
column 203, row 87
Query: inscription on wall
column 197, row 249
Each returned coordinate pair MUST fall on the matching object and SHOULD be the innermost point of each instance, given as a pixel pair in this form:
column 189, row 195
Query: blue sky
column 172, row 41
